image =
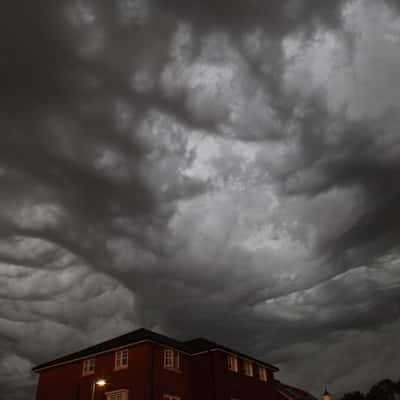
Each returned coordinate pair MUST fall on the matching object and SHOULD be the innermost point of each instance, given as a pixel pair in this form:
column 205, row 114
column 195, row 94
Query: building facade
column 143, row 365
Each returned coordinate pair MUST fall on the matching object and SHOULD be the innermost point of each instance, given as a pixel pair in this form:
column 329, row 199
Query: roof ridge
column 125, row 339
column 192, row 346
column 198, row 339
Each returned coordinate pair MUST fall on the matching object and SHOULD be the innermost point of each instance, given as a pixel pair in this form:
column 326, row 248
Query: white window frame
column 120, row 394
column 88, row 366
column 248, row 368
column 121, row 360
column 170, row 397
column 262, row 374
column 172, row 359
column 232, row 363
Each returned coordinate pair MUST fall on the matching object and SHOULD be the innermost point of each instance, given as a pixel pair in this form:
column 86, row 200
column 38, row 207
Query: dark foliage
column 353, row 396
column 383, row 390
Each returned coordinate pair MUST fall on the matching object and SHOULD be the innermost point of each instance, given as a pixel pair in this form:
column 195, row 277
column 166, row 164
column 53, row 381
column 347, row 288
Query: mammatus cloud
column 203, row 169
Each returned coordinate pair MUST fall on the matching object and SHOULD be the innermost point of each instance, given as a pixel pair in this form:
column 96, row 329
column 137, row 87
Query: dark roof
column 191, row 346
column 292, row 393
column 120, row 341
column 199, row 345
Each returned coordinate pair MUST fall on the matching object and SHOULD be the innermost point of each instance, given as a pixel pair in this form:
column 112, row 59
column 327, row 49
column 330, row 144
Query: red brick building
column 143, row 365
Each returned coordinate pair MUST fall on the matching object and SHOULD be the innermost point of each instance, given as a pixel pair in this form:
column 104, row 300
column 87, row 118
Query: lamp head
column 101, row 382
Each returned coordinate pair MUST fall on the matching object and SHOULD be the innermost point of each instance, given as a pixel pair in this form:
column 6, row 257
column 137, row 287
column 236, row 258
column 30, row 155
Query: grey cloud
column 189, row 167
column 367, row 353
column 277, row 17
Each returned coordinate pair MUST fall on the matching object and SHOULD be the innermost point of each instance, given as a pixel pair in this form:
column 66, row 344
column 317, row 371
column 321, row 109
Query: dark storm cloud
column 276, row 16
column 203, row 169
column 35, row 53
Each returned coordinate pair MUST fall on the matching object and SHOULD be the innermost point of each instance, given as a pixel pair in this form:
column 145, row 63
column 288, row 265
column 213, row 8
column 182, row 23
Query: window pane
column 118, row 395
column 232, row 363
column 176, row 360
column 263, row 374
column 121, row 358
column 170, row 397
column 248, row 368
column 88, row 366
column 168, row 358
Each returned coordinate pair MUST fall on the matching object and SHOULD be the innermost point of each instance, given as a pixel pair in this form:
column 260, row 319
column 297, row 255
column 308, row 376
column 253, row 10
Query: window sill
column 179, row 371
column 120, row 368
column 88, row 374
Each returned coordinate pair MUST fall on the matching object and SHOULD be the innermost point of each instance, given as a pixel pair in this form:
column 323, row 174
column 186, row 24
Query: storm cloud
column 202, row 169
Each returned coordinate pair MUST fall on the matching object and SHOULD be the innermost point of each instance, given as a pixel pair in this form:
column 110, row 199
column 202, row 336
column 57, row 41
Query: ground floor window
column 121, row 394
column 170, row 397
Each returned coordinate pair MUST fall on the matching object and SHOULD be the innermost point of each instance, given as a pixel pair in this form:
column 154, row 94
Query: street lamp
column 99, row 382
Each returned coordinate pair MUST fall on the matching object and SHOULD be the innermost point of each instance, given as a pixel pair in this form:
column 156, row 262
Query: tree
column 357, row 395
column 384, row 390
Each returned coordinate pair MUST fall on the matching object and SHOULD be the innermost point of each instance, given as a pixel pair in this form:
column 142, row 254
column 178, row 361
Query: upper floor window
column 121, row 359
column 171, row 359
column 262, row 374
column 248, row 368
column 88, row 366
column 170, row 397
column 233, row 363
column 121, row 394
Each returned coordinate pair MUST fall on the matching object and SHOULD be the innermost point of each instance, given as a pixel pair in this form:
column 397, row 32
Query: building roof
column 199, row 345
column 192, row 347
column 292, row 393
column 136, row 336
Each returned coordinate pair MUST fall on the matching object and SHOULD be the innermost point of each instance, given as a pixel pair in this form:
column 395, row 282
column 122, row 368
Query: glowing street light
column 99, row 382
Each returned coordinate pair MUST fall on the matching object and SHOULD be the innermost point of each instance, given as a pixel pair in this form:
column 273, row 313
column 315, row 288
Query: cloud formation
column 199, row 168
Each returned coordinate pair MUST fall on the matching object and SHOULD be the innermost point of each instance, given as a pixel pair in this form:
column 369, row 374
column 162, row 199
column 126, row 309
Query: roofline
column 285, row 394
column 280, row 387
column 216, row 348
column 38, row 368
column 239, row 355
column 227, row 350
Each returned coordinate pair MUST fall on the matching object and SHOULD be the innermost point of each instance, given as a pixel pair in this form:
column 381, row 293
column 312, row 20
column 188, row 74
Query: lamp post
column 99, row 382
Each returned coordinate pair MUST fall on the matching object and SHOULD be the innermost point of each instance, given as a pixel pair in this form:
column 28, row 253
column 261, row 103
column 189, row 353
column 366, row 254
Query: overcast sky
column 218, row 168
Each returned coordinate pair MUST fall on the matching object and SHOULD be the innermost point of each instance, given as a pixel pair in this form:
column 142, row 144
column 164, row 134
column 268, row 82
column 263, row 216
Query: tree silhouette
column 353, row 396
column 383, row 390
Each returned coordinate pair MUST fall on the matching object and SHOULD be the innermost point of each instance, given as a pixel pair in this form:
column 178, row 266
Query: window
column 262, row 374
column 88, row 366
column 170, row 397
column 121, row 360
column 171, row 359
column 121, row 394
column 248, row 368
column 232, row 363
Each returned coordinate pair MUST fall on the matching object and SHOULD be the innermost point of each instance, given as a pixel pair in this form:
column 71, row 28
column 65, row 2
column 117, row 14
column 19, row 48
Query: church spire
column 326, row 395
